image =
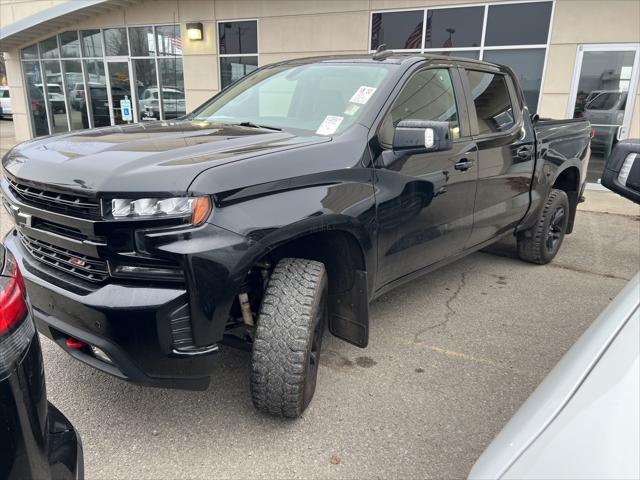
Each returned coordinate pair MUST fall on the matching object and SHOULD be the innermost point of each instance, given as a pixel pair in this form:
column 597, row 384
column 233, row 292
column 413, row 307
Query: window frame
column 458, row 92
column 227, row 55
column 102, row 58
column 516, row 103
column 482, row 48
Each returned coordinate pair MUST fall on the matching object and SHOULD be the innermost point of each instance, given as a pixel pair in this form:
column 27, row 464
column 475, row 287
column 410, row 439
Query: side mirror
column 622, row 170
column 419, row 136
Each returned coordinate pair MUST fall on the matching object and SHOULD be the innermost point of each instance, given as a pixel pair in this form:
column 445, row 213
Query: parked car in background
column 583, row 421
column 100, row 104
column 6, row 109
column 285, row 203
column 76, row 96
column 605, row 111
column 36, row 440
column 172, row 99
column 55, row 95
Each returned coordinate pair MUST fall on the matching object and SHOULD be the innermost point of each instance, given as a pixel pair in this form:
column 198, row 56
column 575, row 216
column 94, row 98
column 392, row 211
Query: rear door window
column 493, row 107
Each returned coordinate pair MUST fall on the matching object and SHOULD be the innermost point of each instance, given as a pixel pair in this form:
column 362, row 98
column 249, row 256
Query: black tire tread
column 530, row 249
column 283, row 336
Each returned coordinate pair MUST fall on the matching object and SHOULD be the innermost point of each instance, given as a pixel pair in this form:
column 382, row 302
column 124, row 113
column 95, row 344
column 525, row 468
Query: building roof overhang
column 50, row 20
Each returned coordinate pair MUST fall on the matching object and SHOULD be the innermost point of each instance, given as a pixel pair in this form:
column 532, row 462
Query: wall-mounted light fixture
column 194, row 31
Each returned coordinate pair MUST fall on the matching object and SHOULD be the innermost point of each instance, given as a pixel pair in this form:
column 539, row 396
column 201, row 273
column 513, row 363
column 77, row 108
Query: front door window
column 603, row 94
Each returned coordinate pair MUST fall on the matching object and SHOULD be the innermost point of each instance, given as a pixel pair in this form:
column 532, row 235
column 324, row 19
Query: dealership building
column 80, row 63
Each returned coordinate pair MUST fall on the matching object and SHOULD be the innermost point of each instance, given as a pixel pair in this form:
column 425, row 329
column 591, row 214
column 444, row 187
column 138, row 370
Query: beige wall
column 13, row 10
column 297, row 28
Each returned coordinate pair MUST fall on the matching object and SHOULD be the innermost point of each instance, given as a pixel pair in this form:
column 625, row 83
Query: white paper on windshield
column 329, row 125
column 363, row 95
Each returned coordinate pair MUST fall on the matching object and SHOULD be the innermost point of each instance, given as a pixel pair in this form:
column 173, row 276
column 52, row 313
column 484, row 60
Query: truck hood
column 147, row 157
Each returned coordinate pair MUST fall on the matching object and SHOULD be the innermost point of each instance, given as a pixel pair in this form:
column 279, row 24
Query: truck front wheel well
column 343, row 258
column 569, row 182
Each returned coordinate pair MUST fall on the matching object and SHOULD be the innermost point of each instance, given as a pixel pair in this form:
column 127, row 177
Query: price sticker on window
column 329, row 125
column 362, row 95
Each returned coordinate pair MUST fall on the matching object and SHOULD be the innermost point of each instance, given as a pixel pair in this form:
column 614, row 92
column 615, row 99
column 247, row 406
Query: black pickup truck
column 284, row 204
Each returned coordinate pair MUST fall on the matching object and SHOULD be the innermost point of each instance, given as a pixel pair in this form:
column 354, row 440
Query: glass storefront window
column 79, row 77
column 169, row 40
column 472, row 54
column 55, row 95
column 96, row 98
column 172, row 84
column 91, row 43
column 29, row 53
column 238, row 37
column 144, row 72
column 142, row 41
column 518, row 24
column 510, row 33
column 37, row 109
column 49, row 48
column 234, row 68
column 74, row 86
column 115, row 42
column 397, row 30
column 454, row 27
column 69, row 44
column 528, row 65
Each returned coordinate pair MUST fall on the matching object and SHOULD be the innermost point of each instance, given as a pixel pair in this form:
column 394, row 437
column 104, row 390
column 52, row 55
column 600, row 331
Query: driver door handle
column 463, row 165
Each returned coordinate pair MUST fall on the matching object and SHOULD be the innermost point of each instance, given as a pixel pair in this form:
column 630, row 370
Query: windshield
column 323, row 98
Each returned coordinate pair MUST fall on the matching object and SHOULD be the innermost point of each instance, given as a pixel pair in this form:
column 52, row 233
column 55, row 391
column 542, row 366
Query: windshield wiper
column 255, row 125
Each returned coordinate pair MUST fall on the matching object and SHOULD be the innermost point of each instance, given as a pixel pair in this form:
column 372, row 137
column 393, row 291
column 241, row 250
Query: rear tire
column 541, row 243
column 288, row 337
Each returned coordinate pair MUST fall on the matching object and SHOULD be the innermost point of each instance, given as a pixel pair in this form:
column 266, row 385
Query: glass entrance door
column 603, row 91
column 119, row 88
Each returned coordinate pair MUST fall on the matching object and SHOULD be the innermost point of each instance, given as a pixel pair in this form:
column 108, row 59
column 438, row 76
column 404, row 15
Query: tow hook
column 75, row 344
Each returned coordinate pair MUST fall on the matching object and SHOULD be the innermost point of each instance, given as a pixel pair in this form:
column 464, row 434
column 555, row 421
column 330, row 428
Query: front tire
column 541, row 243
column 288, row 337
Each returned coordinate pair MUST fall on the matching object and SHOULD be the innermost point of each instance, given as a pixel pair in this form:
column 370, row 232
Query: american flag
column 415, row 39
column 427, row 33
column 376, row 26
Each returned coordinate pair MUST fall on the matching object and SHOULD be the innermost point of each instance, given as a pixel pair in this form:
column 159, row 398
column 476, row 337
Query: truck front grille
column 65, row 203
column 88, row 268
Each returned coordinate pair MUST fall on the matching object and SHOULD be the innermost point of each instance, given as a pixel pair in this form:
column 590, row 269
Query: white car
column 172, row 98
column 56, row 96
column 5, row 102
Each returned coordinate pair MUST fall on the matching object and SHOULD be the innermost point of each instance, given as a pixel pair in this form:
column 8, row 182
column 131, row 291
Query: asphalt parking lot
column 451, row 358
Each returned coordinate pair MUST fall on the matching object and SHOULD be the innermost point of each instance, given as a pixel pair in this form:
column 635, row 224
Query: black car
column 36, row 440
column 285, row 203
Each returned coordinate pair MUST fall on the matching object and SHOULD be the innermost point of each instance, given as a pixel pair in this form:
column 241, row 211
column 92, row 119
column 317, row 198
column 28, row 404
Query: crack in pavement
column 447, row 316
column 588, row 272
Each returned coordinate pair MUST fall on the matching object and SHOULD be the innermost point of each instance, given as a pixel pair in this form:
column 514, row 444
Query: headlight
column 197, row 207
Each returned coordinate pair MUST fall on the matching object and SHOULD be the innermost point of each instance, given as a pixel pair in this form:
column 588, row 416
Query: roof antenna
column 381, row 52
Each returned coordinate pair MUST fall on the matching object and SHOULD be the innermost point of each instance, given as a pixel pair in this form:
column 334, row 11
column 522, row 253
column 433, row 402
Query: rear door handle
column 463, row 165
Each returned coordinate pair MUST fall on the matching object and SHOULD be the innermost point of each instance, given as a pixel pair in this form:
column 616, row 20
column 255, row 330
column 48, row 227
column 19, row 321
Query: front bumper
column 132, row 323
